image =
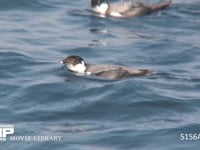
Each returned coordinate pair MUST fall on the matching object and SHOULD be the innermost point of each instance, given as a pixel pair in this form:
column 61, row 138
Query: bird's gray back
column 112, row 71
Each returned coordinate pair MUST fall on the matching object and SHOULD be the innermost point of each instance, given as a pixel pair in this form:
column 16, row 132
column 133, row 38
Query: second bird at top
column 126, row 9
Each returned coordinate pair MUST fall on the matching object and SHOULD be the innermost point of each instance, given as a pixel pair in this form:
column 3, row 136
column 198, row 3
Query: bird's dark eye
column 75, row 61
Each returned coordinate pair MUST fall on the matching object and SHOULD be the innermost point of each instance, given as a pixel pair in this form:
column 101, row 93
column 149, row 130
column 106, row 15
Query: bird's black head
column 74, row 60
column 95, row 3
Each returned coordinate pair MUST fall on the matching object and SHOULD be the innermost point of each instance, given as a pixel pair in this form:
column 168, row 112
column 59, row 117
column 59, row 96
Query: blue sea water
column 40, row 97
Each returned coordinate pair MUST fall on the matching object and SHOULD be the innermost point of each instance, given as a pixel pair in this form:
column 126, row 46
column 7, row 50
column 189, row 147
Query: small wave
column 25, row 4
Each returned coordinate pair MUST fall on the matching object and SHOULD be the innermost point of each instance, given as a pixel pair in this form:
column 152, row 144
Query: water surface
column 40, row 97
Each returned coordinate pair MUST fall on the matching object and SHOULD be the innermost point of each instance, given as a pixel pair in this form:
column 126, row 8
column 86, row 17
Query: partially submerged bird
column 108, row 71
column 126, row 9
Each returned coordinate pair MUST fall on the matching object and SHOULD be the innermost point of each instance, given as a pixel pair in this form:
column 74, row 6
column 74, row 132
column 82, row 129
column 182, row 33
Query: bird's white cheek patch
column 79, row 68
column 102, row 9
column 70, row 67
